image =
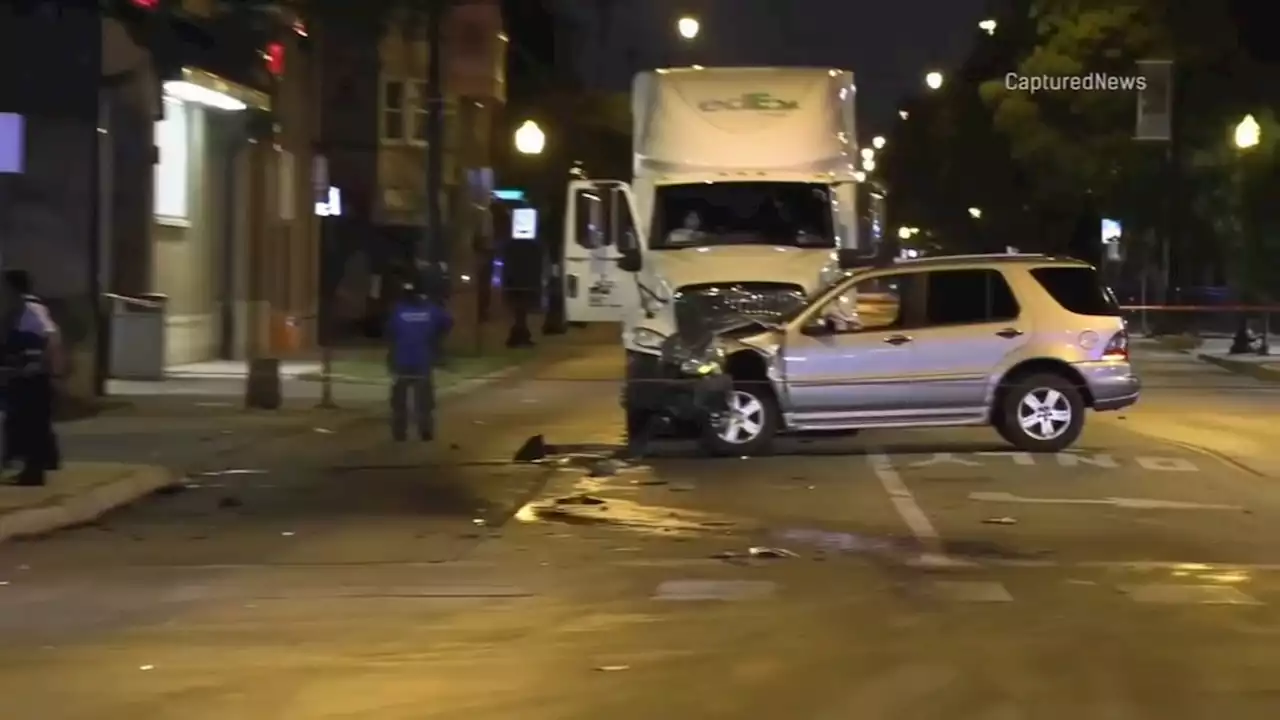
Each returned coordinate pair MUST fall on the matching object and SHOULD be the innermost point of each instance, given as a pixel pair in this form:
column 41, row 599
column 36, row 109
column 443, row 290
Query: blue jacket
column 415, row 329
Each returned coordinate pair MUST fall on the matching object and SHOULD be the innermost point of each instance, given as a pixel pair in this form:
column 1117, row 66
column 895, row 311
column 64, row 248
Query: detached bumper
column 655, row 386
column 1112, row 385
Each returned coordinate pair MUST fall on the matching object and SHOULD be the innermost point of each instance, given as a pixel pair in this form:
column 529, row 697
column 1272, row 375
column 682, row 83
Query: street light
column 878, row 142
column 688, row 27
column 988, row 26
column 868, row 165
column 867, row 154
column 530, row 140
column 903, row 114
column 933, row 80
column 1248, row 133
column 860, row 176
column 975, row 213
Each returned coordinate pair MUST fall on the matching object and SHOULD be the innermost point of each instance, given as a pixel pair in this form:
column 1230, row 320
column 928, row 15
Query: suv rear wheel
column 750, row 423
column 1041, row 414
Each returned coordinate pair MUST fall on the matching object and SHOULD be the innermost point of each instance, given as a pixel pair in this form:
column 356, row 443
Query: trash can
column 138, row 336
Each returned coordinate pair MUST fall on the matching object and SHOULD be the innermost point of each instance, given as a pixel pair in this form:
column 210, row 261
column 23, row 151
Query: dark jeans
column 423, row 389
column 28, row 426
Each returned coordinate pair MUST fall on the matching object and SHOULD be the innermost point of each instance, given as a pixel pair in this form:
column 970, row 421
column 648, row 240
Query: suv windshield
column 742, row 213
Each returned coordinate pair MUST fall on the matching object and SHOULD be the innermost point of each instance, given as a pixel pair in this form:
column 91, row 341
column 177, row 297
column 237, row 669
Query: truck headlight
column 646, row 338
column 710, row 362
column 830, row 275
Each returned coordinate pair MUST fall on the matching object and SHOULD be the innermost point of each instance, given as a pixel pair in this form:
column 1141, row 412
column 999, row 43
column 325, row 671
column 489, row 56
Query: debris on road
column 1001, row 521
column 613, row 668
column 287, row 533
column 683, row 487
column 602, row 468
column 649, row 481
column 324, row 431
column 147, row 667
column 232, row 471
column 771, row 552
column 579, row 500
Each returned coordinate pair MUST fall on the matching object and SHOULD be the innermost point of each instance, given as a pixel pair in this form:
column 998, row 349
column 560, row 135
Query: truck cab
column 744, row 202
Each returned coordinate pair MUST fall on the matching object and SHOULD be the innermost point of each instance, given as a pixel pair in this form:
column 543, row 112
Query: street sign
column 524, row 224
column 13, row 142
column 1155, row 100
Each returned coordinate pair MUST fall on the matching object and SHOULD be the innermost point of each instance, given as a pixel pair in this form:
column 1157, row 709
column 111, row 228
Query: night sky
column 889, row 44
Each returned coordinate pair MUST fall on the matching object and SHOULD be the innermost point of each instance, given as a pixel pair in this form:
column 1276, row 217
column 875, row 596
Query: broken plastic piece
column 1001, row 521
column 772, row 552
column 579, row 500
column 613, row 668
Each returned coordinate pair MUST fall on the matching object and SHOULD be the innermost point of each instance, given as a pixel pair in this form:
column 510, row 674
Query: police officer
column 417, row 328
column 33, row 357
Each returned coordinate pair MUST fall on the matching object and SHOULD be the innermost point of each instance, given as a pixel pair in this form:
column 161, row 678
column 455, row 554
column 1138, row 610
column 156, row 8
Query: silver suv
column 1025, row 343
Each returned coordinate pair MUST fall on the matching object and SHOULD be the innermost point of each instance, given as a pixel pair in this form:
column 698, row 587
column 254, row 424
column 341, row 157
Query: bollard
column 262, row 390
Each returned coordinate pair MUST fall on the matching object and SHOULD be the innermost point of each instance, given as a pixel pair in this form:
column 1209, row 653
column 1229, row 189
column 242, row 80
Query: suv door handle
column 897, row 339
column 1010, row 333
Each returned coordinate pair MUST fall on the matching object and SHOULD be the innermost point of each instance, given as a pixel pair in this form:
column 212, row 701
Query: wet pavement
column 925, row 574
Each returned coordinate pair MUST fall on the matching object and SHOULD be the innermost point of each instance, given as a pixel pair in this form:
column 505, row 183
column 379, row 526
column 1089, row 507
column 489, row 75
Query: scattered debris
column 649, row 481
column 233, row 471
column 613, row 668
column 4, row 582
column 1001, row 521
column 770, row 552
column 602, row 468
column 478, row 521
column 324, row 431
column 682, row 487
column 287, row 533
column 579, row 500
column 147, row 667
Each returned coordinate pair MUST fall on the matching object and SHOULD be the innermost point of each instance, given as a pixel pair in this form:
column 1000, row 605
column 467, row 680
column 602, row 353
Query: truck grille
column 697, row 305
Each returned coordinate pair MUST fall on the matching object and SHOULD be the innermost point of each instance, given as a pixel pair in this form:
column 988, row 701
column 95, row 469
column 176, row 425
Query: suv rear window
column 1078, row 290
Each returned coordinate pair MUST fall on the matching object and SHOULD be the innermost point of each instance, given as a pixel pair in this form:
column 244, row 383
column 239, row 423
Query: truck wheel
column 1041, row 414
column 751, row 424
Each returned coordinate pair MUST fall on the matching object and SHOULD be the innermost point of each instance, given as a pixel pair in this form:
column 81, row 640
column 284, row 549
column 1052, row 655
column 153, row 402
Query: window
column 967, row 297
column 418, row 101
column 1078, row 290
column 171, row 179
column 871, row 304
column 589, row 218
column 742, row 213
column 393, row 111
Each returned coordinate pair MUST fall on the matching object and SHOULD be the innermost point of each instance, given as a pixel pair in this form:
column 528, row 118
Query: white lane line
column 1126, row 503
column 904, row 502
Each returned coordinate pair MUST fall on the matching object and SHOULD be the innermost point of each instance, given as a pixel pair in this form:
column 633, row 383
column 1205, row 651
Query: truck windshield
column 742, row 213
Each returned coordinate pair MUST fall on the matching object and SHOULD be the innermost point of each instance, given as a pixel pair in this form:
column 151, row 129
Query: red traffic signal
column 274, row 55
column 145, row 4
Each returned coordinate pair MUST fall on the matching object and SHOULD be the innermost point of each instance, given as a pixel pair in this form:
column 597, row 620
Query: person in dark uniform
column 416, row 329
column 33, row 358
column 522, row 285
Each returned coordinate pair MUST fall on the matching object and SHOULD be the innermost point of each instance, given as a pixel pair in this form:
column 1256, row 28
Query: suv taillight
column 1118, row 347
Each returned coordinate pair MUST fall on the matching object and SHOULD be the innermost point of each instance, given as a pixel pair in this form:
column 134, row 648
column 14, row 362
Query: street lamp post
column 878, row 142
column 530, row 139
column 1246, row 137
column 688, row 27
column 988, row 26
column 933, row 80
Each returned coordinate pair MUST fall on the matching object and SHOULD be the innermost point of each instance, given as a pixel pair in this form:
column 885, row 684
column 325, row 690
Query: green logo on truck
column 762, row 101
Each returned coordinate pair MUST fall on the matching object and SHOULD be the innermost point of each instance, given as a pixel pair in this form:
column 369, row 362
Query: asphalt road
column 925, row 574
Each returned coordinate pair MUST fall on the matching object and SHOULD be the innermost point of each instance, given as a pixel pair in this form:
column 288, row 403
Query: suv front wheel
column 749, row 425
column 1041, row 414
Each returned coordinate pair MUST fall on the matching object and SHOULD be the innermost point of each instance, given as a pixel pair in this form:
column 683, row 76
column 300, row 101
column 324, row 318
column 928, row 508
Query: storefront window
column 171, row 171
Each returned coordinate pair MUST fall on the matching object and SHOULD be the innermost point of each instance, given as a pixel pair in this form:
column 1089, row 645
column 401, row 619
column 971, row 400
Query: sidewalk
column 1215, row 351
column 156, row 440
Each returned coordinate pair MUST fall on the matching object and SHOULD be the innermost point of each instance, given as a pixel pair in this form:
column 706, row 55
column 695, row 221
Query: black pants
column 423, row 389
column 28, row 426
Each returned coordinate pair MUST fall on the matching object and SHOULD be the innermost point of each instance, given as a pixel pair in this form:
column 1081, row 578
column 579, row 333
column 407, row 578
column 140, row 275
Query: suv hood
column 741, row 263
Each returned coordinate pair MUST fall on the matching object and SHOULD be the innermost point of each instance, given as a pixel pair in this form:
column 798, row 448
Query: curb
column 1249, row 369
column 459, row 388
column 70, row 510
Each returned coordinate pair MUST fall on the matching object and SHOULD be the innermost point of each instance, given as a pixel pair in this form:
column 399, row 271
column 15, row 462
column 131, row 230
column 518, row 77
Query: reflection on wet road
column 929, row 574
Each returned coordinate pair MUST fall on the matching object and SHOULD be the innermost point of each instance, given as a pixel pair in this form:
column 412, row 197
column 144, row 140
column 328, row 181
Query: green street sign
column 760, row 101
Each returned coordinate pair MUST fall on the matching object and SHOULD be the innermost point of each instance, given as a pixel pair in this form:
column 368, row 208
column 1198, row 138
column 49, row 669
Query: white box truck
column 744, row 200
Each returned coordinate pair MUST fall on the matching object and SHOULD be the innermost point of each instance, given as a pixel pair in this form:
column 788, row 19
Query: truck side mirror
column 818, row 327
column 630, row 261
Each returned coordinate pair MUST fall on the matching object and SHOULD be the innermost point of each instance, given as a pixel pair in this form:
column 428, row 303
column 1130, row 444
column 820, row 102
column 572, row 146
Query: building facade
column 164, row 162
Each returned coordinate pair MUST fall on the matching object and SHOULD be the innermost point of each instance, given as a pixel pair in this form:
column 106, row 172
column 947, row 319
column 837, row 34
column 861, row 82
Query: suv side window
column 871, row 304
column 968, row 297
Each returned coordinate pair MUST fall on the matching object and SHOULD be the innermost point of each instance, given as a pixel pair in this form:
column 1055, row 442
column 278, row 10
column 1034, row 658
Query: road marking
column 687, row 590
column 1167, row 464
column 1126, row 503
column 970, row 591
column 1188, row 595
column 1066, row 459
column 911, row 513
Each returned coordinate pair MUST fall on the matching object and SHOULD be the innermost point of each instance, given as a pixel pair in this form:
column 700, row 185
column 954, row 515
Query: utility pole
column 433, row 250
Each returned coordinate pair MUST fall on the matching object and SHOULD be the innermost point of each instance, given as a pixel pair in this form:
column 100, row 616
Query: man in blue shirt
column 416, row 329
